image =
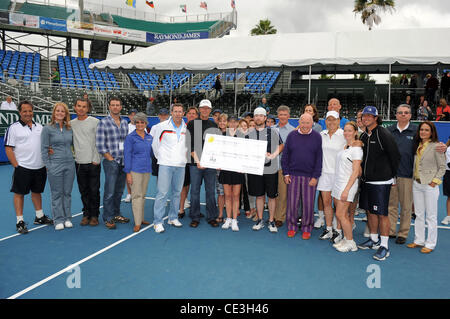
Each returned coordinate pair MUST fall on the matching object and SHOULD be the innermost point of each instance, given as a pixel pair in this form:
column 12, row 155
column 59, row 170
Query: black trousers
column 88, row 178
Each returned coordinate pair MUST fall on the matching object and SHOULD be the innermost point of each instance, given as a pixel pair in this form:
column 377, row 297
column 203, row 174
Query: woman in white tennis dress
column 348, row 166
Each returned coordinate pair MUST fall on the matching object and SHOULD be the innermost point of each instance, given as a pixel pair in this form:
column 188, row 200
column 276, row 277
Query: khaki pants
column 138, row 191
column 281, row 201
column 402, row 193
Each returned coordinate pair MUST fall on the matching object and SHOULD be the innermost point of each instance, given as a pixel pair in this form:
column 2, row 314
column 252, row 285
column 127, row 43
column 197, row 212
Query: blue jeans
column 115, row 179
column 170, row 178
column 197, row 176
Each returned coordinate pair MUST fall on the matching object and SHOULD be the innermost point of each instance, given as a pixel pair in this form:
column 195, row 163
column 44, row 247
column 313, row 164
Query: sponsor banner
column 159, row 37
column 4, row 17
column 52, row 24
column 134, row 35
column 81, row 28
column 121, row 33
column 9, row 117
column 24, row 20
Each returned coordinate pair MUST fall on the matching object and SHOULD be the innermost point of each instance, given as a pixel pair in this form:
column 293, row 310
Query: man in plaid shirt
column 110, row 137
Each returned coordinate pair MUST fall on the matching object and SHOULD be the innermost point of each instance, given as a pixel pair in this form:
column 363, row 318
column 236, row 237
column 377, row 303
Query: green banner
column 9, row 117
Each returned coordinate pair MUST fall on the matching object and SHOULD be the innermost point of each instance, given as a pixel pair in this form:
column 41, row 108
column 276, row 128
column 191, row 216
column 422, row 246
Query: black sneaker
column 336, row 237
column 21, row 227
column 43, row 221
column 327, row 234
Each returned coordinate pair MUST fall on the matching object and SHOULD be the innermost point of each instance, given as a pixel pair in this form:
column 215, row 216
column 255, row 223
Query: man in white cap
column 267, row 184
column 196, row 130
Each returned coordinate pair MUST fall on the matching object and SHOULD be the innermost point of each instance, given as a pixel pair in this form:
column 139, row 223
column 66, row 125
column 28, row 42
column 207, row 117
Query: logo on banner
column 159, row 37
column 52, row 24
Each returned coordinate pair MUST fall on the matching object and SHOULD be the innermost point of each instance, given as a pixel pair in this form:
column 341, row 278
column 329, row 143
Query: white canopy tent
column 427, row 46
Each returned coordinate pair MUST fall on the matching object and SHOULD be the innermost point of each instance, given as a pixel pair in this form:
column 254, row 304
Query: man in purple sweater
column 302, row 167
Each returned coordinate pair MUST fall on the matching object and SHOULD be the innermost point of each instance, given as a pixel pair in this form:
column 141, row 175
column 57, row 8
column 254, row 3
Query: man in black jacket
column 379, row 168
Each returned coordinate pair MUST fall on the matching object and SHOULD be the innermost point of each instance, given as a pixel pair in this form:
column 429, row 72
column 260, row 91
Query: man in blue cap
column 379, row 169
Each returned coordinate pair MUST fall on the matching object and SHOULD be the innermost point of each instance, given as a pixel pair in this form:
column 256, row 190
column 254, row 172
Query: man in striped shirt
column 110, row 137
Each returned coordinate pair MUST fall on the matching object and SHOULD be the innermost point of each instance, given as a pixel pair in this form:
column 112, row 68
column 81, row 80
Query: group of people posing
column 347, row 162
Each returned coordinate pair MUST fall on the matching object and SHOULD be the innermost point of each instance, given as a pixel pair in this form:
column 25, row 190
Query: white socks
column 39, row 213
column 19, row 219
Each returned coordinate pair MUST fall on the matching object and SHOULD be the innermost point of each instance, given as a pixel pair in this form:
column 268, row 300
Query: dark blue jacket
column 405, row 141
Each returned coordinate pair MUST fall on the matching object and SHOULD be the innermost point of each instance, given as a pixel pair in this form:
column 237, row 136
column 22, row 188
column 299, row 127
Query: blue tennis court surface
column 206, row 262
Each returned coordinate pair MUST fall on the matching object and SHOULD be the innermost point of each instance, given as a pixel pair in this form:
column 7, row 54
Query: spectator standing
column 87, row 161
column 380, row 163
column 23, row 149
column 58, row 137
column 429, row 168
column 8, row 104
column 110, row 137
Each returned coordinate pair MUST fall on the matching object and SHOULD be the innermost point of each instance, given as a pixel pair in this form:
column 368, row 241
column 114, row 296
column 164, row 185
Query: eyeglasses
column 401, row 113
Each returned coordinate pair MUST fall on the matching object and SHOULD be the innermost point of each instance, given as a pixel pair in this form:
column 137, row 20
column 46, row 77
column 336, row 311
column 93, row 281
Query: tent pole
column 309, row 86
column 389, row 93
column 235, row 92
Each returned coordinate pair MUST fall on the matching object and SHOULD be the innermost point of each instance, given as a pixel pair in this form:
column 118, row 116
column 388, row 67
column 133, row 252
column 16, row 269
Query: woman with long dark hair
column 429, row 168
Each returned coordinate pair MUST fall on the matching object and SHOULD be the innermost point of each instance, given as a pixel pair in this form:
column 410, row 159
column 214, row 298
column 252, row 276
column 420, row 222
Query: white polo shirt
column 8, row 106
column 26, row 142
column 330, row 148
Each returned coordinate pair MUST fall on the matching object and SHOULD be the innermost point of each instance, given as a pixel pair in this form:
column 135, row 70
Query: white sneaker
column 234, row 225
column 59, row 226
column 349, row 245
column 272, row 227
column 159, row 228
column 227, row 223
column 127, row 199
column 320, row 221
column 258, row 225
column 446, row 220
column 339, row 243
column 187, row 204
column 175, row 223
column 68, row 224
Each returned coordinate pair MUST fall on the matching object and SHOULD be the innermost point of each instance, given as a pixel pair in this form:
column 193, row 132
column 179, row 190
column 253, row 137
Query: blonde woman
column 56, row 151
column 345, row 187
column 429, row 168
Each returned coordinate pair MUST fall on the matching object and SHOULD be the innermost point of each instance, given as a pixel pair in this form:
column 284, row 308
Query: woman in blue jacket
column 57, row 155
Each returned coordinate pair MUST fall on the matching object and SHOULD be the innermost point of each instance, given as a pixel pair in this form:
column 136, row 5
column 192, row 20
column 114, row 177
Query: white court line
column 62, row 271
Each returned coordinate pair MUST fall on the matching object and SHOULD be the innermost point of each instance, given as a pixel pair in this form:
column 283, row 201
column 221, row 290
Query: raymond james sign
column 159, row 37
column 9, row 117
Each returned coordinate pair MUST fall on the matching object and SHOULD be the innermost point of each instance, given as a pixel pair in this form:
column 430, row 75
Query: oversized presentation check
column 234, row 154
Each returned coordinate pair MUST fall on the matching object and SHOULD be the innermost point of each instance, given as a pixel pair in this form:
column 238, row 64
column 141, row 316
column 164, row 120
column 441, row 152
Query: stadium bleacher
column 75, row 73
column 23, row 66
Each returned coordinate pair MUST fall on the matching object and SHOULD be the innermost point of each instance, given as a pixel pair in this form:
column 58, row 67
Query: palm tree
column 263, row 27
column 368, row 10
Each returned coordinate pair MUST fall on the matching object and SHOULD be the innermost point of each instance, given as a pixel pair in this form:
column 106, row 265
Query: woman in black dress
column 231, row 182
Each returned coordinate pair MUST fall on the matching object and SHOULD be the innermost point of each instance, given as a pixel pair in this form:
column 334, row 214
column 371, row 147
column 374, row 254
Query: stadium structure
column 25, row 67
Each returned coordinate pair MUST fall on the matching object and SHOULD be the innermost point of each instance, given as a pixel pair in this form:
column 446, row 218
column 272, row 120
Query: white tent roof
column 407, row 46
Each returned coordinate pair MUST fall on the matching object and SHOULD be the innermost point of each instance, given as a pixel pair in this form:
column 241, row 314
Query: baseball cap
column 205, row 102
column 247, row 114
column 333, row 114
column 163, row 111
column 260, row 111
column 132, row 111
column 372, row 110
column 217, row 110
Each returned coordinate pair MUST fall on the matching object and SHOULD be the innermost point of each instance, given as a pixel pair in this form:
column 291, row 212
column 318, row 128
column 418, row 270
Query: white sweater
column 168, row 149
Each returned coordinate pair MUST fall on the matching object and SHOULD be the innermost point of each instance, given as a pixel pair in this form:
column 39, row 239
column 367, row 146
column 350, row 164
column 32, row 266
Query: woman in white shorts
column 333, row 141
column 348, row 166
